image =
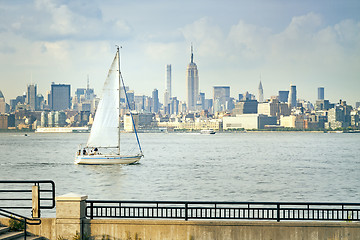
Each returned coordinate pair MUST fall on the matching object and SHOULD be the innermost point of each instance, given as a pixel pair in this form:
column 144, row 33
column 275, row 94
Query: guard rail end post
column 70, row 213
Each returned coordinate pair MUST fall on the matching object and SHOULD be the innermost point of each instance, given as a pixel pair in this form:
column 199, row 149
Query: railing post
column 35, row 201
column 278, row 212
column 186, row 211
column 24, row 228
column 70, row 213
column 91, row 210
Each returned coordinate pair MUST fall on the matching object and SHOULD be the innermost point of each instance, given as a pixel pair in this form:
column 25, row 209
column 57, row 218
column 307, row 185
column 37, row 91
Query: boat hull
column 106, row 159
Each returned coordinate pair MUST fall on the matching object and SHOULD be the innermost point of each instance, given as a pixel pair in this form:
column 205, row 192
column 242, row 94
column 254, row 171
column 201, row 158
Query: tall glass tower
column 292, row 96
column 192, row 83
column 167, row 94
column 320, row 93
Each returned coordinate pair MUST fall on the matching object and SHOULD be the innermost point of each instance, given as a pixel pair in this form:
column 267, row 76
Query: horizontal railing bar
column 17, row 207
column 26, row 181
column 7, row 191
column 232, row 203
column 15, row 199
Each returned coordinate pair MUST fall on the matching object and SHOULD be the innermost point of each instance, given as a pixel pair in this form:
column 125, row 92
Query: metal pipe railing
column 279, row 211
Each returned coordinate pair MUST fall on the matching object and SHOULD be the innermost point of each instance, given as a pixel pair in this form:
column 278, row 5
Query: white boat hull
column 106, row 159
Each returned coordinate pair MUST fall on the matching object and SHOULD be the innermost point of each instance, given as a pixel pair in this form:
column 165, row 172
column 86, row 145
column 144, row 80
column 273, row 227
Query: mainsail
column 105, row 129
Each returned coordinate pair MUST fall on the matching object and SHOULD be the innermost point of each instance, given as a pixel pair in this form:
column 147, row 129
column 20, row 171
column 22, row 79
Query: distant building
column 261, row 93
column 320, row 93
column 323, row 105
column 248, row 121
column 192, row 83
column 141, row 121
column 245, row 107
column 357, row 104
column 283, row 96
column 292, row 97
column 221, row 96
column 268, row 108
column 292, row 121
column 31, row 97
column 60, row 97
column 155, row 99
column 4, row 107
column 167, row 94
column 174, row 106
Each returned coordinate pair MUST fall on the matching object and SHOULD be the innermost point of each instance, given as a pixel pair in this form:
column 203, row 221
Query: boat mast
column 118, row 53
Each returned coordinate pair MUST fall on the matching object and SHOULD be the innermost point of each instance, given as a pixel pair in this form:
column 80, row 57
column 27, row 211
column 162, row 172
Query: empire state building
column 192, row 83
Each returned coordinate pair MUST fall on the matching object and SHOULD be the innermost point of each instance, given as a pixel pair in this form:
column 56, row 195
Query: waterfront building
column 292, row 97
column 193, row 124
column 44, row 119
column 261, row 93
column 31, row 97
column 60, row 97
column 155, row 101
column 339, row 116
column 192, row 83
column 60, row 119
column 320, row 93
column 7, row 121
column 141, row 121
column 292, row 121
column 283, row 96
column 245, row 107
column 248, row 121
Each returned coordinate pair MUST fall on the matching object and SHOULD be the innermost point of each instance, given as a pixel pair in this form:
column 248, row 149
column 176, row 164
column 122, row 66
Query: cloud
column 50, row 20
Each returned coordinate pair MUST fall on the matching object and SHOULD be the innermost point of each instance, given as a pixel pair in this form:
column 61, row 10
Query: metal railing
column 17, row 217
column 278, row 211
column 19, row 194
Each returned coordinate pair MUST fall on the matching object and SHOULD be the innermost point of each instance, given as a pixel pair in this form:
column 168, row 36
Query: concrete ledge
column 69, row 197
column 52, row 228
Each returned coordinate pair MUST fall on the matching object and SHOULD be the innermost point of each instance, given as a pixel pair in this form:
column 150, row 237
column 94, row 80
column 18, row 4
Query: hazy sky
column 307, row 43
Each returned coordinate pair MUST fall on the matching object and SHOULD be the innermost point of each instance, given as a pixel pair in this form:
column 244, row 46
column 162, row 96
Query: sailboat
column 103, row 145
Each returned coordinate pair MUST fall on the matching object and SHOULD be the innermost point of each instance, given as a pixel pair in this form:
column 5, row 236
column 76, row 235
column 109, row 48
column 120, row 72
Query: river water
column 252, row 166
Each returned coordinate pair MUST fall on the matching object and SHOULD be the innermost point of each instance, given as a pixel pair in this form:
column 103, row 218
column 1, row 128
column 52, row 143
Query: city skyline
column 299, row 43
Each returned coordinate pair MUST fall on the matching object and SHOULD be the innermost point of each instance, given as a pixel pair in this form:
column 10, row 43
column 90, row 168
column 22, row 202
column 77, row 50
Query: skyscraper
column 167, row 94
column 320, row 93
column 221, row 97
column 292, row 96
column 31, row 97
column 155, row 103
column 60, row 97
column 192, row 83
column 283, row 96
column 261, row 92
column 168, row 79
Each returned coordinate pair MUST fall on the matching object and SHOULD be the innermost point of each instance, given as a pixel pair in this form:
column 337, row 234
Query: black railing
column 278, row 211
column 19, row 194
column 26, row 221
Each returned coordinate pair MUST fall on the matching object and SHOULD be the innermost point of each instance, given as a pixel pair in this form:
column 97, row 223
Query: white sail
column 105, row 129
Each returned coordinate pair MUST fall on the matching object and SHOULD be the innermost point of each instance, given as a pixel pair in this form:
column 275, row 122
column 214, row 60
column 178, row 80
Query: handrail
column 302, row 211
column 25, row 220
column 35, row 182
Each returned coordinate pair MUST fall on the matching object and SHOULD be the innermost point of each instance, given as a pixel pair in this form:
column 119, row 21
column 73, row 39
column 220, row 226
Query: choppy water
column 283, row 166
